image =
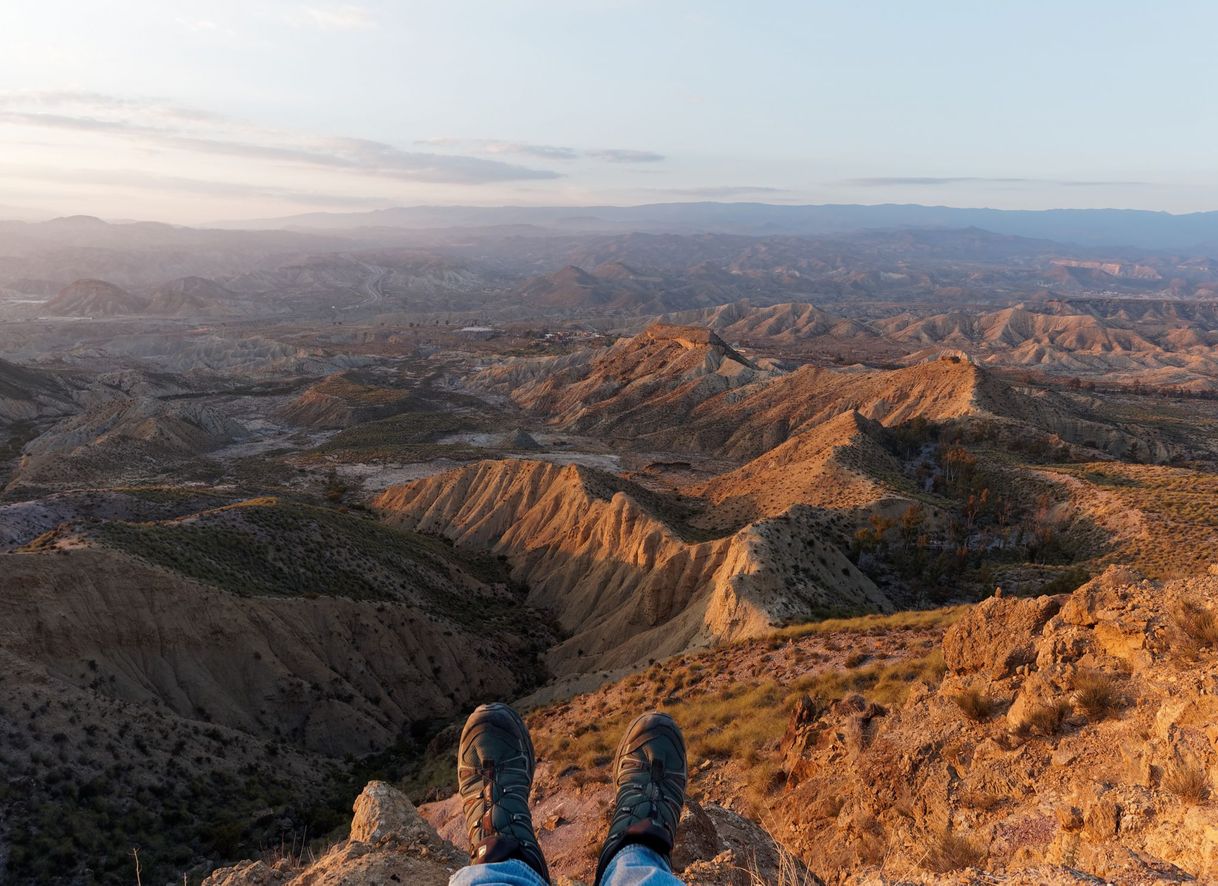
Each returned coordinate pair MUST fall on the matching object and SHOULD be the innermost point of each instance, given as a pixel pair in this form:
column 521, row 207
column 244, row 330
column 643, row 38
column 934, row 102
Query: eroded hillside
column 281, row 509
column 628, row 581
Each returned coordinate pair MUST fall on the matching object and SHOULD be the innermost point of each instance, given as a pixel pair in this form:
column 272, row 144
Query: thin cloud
column 154, row 125
column 1080, row 183
column 624, row 155
column 96, row 102
column 546, row 152
column 494, row 146
column 137, row 180
column 927, row 180
column 721, row 191
column 348, row 17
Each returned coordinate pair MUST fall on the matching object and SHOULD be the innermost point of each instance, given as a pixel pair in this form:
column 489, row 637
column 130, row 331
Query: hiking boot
column 650, row 774
column 495, row 763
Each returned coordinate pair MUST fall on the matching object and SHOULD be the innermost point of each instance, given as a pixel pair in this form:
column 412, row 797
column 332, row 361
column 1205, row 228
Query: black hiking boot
column 649, row 771
column 495, row 764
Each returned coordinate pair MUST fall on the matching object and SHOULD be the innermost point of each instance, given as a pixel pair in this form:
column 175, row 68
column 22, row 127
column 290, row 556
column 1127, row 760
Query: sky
column 190, row 111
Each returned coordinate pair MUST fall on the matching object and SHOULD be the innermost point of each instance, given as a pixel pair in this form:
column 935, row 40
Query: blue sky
column 189, row 111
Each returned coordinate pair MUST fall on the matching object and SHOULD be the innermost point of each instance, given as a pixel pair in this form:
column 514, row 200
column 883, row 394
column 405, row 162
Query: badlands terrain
column 912, row 528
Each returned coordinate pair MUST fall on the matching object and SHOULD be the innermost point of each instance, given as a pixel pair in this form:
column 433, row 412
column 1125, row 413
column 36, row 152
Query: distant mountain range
column 1192, row 232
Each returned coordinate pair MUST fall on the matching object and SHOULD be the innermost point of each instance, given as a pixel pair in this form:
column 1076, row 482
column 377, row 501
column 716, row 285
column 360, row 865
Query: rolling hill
column 94, row 298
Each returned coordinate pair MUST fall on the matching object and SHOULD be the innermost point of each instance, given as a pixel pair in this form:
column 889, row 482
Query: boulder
column 998, row 635
column 382, row 811
column 389, row 843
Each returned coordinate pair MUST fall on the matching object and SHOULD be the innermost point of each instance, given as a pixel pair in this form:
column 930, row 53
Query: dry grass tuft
column 1097, row 694
column 907, row 619
column 1198, row 624
column 1187, row 780
column 951, row 852
column 976, row 705
column 790, row 870
column 1045, row 719
column 742, row 722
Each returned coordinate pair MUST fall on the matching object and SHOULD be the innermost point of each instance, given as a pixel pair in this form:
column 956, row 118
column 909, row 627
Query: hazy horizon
column 211, row 111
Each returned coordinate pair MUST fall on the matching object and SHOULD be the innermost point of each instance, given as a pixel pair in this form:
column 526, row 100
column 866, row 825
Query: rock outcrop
column 1073, row 733
column 389, row 843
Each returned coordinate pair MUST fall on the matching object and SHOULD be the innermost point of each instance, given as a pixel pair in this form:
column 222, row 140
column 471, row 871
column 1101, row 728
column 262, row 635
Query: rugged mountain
column 570, row 287
column 376, row 280
column 141, row 255
column 1150, row 313
column 1022, row 335
column 619, row 569
column 1111, row 227
column 125, row 778
column 93, row 298
column 616, row 287
column 646, row 381
column 1158, row 343
column 683, row 388
column 781, row 324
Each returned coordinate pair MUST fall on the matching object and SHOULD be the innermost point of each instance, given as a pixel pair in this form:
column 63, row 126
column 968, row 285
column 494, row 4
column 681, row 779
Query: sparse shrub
column 1097, row 694
column 976, row 705
column 1066, row 582
column 1045, row 719
column 1187, row 780
column 952, row 852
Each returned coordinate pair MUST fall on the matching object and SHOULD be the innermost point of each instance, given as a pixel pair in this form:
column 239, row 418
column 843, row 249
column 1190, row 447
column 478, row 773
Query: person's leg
column 650, row 773
column 501, row 873
column 495, row 763
column 635, row 865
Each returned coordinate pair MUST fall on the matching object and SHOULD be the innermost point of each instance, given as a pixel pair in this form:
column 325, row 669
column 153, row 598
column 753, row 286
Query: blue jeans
column 634, row 865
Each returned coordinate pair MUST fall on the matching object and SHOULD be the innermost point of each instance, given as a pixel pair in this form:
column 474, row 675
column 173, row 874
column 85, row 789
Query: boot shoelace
column 653, row 794
column 484, row 802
